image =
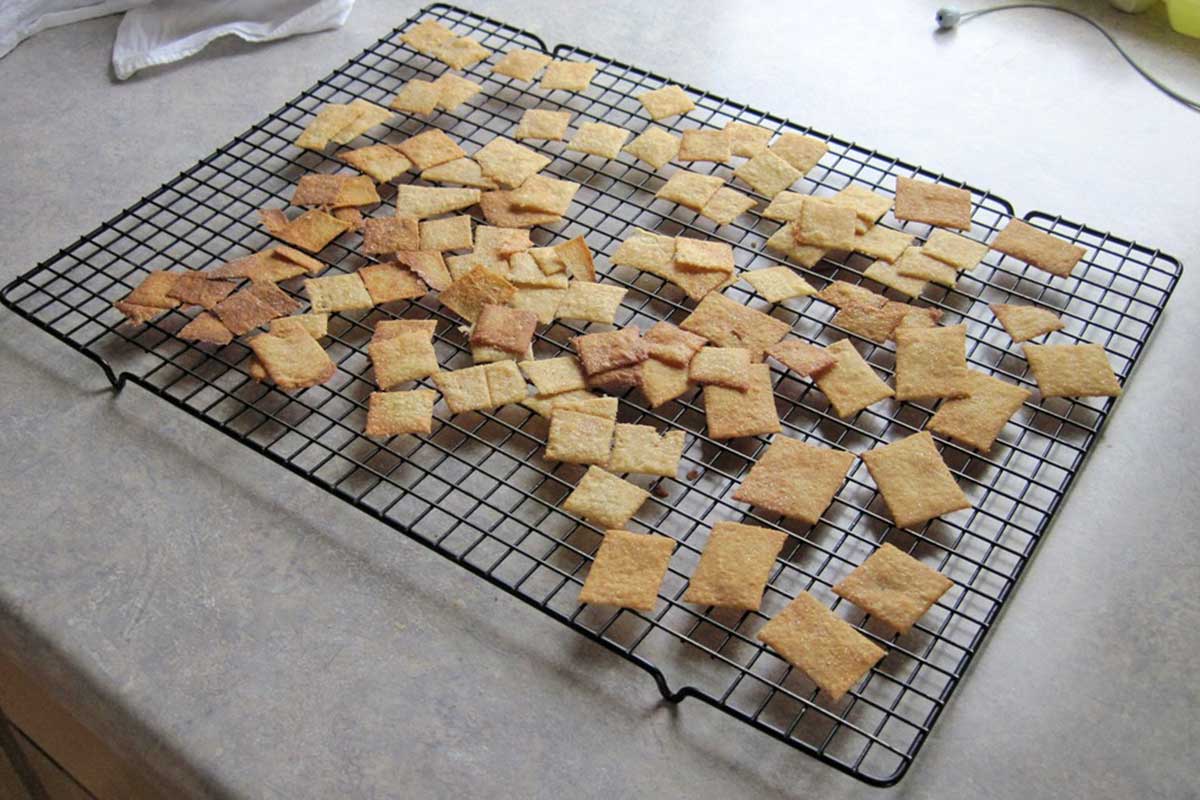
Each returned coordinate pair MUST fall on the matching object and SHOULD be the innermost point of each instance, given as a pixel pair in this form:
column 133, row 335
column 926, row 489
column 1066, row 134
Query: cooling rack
column 477, row 490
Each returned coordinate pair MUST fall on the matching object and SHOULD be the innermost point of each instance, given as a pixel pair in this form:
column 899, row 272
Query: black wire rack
column 477, row 490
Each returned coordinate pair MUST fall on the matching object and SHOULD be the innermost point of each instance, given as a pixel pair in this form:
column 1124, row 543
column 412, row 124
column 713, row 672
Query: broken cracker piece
column 427, row 265
column 390, row 234
column 467, row 295
column 671, row 344
column 206, row 328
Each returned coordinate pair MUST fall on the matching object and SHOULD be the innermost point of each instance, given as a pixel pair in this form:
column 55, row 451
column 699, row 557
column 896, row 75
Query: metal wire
column 477, row 490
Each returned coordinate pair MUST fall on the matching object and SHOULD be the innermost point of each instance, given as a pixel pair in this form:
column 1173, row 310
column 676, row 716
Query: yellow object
column 1185, row 16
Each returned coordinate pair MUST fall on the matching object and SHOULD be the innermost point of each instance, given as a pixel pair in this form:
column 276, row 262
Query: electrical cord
column 949, row 18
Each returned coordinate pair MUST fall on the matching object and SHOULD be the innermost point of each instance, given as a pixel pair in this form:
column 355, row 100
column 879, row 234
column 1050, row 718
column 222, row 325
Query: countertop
column 255, row 638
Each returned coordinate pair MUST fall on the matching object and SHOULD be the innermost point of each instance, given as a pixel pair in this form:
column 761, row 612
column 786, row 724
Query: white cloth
column 20, row 19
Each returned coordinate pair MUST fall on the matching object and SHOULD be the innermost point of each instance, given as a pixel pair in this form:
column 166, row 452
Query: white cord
column 949, row 18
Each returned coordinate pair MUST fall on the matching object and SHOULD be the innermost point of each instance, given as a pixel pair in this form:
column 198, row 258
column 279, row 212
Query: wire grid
column 477, row 490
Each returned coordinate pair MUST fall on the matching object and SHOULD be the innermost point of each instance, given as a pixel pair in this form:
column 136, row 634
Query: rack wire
column 477, row 490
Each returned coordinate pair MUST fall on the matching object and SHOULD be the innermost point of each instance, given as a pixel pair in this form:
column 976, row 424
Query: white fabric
column 20, row 19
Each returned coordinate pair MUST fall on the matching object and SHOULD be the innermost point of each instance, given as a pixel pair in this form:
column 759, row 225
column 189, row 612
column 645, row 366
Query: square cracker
column 886, row 274
column 802, row 152
column 397, row 413
column 1072, row 370
column 690, row 189
column 785, row 206
column 882, row 242
column 703, row 255
column 578, row 438
column 915, row 482
column 977, row 419
column 523, row 65
column 403, row 357
column 822, row 645
column 957, row 251
column 850, row 385
column 639, row 448
column 662, row 382
column 699, row 144
column 824, row 223
column 655, row 146
column 467, row 295
column 599, row 139
column 505, row 383
column 931, row 362
column 868, row 206
column 914, row 263
column 390, row 234
column 666, row 101
column 430, row 148
column 604, row 499
column 1026, row 322
column 735, row 566
column 311, row 231
column 746, row 140
column 893, row 587
column 543, row 193
column 777, row 284
column 731, row 413
column 1049, row 253
column 206, row 328
column 543, row 124
column 416, row 97
column 451, row 233
column 454, row 90
column 722, row 366
column 727, row 323
column 628, row 570
column 593, row 302
column 428, row 265
column 726, row 205
column 671, row 344
column 932, row 203
column 573, row 76
column 795, row 479
column 427, row 35
column 293, row 360
column 381, row 162
column 242, row 312
column 338, row 293
column 387, row 283
column 509, row 163
column 870, row 321
column 509, row 329
column 460, row 52
column 552, row 376
column 462, row 171
column 806, row 360
column 499, row 209
column 194, row 289
column 767, row 174
column 429, row 201
column 601, row 352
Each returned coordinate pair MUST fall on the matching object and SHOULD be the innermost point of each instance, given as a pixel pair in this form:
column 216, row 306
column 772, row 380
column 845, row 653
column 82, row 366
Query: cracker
column 604, row 499
column 628, row 570
column 498, row 209
column 593, row 302
column 451, row 233
column 271, row 295
column 509, row 329
column 469, row 389
column 727, row 323
column 523, row 65
column 731, row 413
column 601, row 352
column 387, row 283
column 821, row 644
column 932, row 203
column 616, row 381
column 334, row 190
column 655, row 146
column 398, row 413
column 265, row 267
column 509, row 163
column 783, row 241
column 390, row 234
column 401, row 357
column 501, row 241
column 931, row 363
column 523, row 271
column 369, row 115
column 591, row 404
column 700, row 144
column 284, row 253
column 310, row 231
column 726, row 205
column 505, row 383
column 387, row 328
column 777, row 284
column 914, row 480
column 193, row 289
column 577, row 259
column 578, row 438
column 801, row 152
column 1026, row 322
column 543, row 124
column 460, row 265
column 1038, row 248
column 667, row 101
column 427, row 35
column 882, row 242
column 331, row 118
column 316, row 325
column 552, row 376
column 206, row 328
column 795, row 479
column 461, row 171
column 868, row 206
column 824, row 223
column 467, row 295
column 785, row 206
column 690, row 189
column 841, row 293
column 1072, row 370
column 915, row 264
column 850, row 385
column 430, row 148
column 806, row 360
column 735, row 566
column 382, row 162
column 721, row 366
column 573, row 76
column 430, row 201
column 428, row 265
column 746, row 140
column 915, row 317
column 662, row 382
column 547, row 260
column 767, row 174
column 138, row 315
column 460, row 52
column 639, row 448
column 957, row 251
column 350, row 215
column 544, row 405
column 338, row 293
column 541, row 301
column 893, row 587
column 886, row 274
column 977, row 419
column 542, row 193
column 646, row 251
column 416, row 97
column 242, row 312
column 599, row 139
column 703, row 255
column 454, row 90
column 876, row 323
column 292, row 361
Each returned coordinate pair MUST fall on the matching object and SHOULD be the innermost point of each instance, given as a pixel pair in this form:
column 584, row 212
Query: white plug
column 947, row 18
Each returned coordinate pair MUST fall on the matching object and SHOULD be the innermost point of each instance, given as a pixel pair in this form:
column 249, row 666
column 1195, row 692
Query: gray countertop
column 257, row 638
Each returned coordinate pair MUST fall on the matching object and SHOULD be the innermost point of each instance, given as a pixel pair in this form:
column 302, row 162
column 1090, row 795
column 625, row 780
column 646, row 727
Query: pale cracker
column 428, row 265
column 746, row 140
column 293, row 360
column 398, row 413
column 731, row 413
column 882, row 242
column 390, row 234
column 524, row 271
column 461, row 171
column 369, row 115
column 330, row 119
column 509, row 163
column 646, row 251
column 604, row 499
column 735, row 566
column 806, row 360
column 689, row 189
column 1049, row 253
column 334, row 190
column 957, row 251
column 785, row 206
column 628, row 570
column 541, row 301
column 850, row 385
column 467, row 295
column 337, row 293
column 932, row 203
column 666, row 101
column 767, row 174
column 501, row 240
column 593, row 302
column 543, row 124
column 589, row 404
column 893, row 587
column 543, row 193
column 454, row 90
column 430, row 148
column 915, row 482
column 721, row 366
column 700, row 144
column 662, row 382
column 801, row 152
column 524, row 65
column 578, row 438
column 1026, row 322
column 783, row 241
column 655, row 146
column 460, row 52
column 599, row 139
column 466, row 389
column 573, row 76
column 795, row 479
column 577, row 259
column 317, row 325
column 451, row 233
column 382, row 162
column 931, row 363
column 427, row 35
column 886, row 274
column 639, row 448
column 416, row 97
column 387, row 283
column 868, row 205
column 777, row 284
column 543, row 405
column 402, row 357
column 703, row 255
column 498, row 209
column 1072, row 370
column 552, row 376
column 977, row 419
column 915, row 264
column 430, row 201
column 547, row 260
column 824, row 223
column 727, row 323
column 726, row 205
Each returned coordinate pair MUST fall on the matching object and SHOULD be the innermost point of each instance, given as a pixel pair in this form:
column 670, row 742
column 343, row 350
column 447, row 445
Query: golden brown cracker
column 294, row 360
column 722, row 366
column 735, row 565
column 316, row 325
column 932, row 203
column 338, row 293
column 398, row 413
column 870, row 321
column 783, row 241
column 604, row 499
column 429, row 201
column 731, row 413
column 405, row 356
column 601, row 352
column 551, row 376
column 931, row 363
column 428, row 265
column 882, row 242
column 662, row 382
column 1026, row 322
column 671, row 344
column 311, row 231
column 640, row 449
column 154, row 290
column 703, row 255
column 850, row 385
column 1072, row 370
column 196, row 289
column 977, row 419
column 628, row 570
column 390, row 282
column 454, row 90
column 1049, row 253
column 841, row 293
column 425, row 36
column 206, row 328
column 242, row 312
column 499, row 209
column 727, row 323
column 893, row 587
column 785, row 206
column 869, row 206
column 795, row 479
column 450, row 233
column 915, row 482
column 824, row 223
column 467, row 295
column 777, row 284
column 578, row 438
column 667, row 101
column 572, row 76
column 460, row 52
column 509, row 329
column 806, row 360
column 331, row 118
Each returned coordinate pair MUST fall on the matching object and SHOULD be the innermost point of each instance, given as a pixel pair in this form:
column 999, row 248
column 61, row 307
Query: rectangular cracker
column 700, row 144
column 869, row 206
column 425, row 36
column 689, row 189
column 599, row 139
column 399, row 413
column 1038, row 248
column 402, row 357
column 932, row 203
column 428, row 265
column 465, row 389
column 543, row 124
column 931, row 363
column 893, row 587
column 726, row 205
column 467, row 295
column 884, row 273
column 461, row 171
column 499, row 209
column 640, row 449
column 601, row 352
column 541, row 301
column 746, row 140
column 430, row 201
column 369, row 115
column 785, row 206
column 604, row 499
column 735, row 566
column 292, row 361
column 731, row 413
column 551, row 376
column 1072, row 370
column 876, row 323
column 311, row 231
column 242, row 312
column 655, row 146
column 454, row 90
column 387, row 328
column 767, row 173
column 1026, row 322
column 460, row 52
column 416, row 97
column 430, row 148
column 777, row 284
column 801, row 152
column 913, row 263
column 593, row 302
column 524, row 65
column 662, row 382
column 850, row 385
column 578, row 438
column 451, row 233
column 977, row 419
column 390, row 234
column 805, row 359
column 334, row 190
column 628, row 570
column 543, row 405
column 958, row 251
column 795, row 479
column 508, row 163
column 390, row 282
column 505, row 328
column 316, row 325
column 882, row 242
column 824, row 223
column 667, row 101
column 703, row 255
column 543, row 193
column 915, row 482
column 721, row 366
column 727, row 323
column 338, row 293
column 671, row 344
column 382, row 162
column 572, row 76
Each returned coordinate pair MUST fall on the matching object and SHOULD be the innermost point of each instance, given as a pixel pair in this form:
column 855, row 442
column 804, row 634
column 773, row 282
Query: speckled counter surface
column 257, row 638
